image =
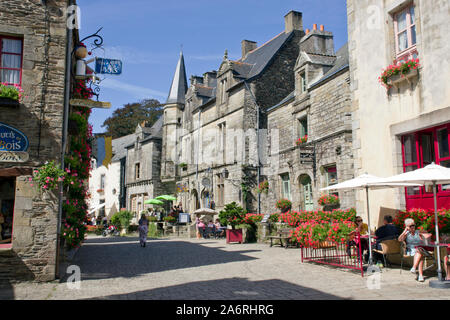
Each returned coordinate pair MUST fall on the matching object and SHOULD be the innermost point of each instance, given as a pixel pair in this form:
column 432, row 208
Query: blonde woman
column 413, row 239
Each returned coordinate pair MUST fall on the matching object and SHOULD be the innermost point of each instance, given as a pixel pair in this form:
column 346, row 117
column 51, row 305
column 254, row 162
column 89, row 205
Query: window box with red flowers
column 302, row 140
column 396, row 73
column 10, row 95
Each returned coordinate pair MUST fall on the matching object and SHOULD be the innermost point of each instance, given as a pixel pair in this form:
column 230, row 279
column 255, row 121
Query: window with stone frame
column 220, row 190
column 303, row 128
column 11, row 51
column 285, row 186
column 137, row 171
column 223, row 86
column 331, row 177
column 405, row 33
column 303, row 84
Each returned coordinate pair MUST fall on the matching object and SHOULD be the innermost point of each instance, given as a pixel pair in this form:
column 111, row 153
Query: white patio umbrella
column 367, row 181
column 431, row 174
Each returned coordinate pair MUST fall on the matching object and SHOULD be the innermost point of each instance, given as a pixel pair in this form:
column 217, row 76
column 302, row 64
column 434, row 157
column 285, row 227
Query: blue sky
column 147, row 36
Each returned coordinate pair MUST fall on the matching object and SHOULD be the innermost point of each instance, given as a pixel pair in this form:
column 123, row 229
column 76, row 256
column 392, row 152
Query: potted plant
column 10, row 95
column 284, row 205
column 183, row 166
column 232, row 215
column 170, row 220
column 329, row 202
column 122, row 220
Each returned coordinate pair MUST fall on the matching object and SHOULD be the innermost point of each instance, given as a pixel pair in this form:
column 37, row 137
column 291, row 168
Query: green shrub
column 152, row 219
column 153, row 231
column 170, row 219
column 122, row 219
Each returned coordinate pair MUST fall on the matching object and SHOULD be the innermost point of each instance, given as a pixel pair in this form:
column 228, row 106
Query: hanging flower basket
column 263, row 187
column 284, row 205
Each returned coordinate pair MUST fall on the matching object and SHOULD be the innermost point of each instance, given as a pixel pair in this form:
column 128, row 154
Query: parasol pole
column 368, row 223
column 438, row 256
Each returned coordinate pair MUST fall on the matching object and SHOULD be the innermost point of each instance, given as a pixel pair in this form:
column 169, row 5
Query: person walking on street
column 143, row 230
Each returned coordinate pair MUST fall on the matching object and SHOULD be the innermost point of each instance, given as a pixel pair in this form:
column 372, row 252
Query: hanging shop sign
column 87, row 103
column 13, row 144
column 108, row 66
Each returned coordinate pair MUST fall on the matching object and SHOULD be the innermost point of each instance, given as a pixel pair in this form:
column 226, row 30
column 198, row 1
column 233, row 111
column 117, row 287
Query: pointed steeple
column 179, row 83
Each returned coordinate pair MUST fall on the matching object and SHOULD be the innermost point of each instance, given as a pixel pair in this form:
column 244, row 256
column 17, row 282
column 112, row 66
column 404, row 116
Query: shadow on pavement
column 12, row 268
column 111, row 258
column 228, row 289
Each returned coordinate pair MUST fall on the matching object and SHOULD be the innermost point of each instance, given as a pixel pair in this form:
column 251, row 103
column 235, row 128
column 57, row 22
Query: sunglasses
column 413, row 225
column 358, row 220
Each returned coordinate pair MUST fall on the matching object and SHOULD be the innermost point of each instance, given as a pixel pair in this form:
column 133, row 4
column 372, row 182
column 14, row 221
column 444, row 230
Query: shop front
column 420, row 149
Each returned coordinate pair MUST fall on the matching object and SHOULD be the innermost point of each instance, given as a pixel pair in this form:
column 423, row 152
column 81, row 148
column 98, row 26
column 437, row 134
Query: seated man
column 386, row 232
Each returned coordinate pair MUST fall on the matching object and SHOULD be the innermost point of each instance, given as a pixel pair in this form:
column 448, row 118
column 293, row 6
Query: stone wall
column 39, row 117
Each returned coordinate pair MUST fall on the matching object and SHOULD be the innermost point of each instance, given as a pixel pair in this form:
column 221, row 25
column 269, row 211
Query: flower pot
column 396, row 79
column 331, row 207
column 234, row 235
column 284, row 210
column 8, row 102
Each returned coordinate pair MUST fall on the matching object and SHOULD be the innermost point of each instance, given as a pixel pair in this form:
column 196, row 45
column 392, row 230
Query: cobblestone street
column 118, row 268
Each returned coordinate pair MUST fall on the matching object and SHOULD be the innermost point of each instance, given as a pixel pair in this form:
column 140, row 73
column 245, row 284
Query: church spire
column 179, row 83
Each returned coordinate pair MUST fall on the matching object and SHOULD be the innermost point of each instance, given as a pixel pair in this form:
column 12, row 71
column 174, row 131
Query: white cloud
column 137, row 92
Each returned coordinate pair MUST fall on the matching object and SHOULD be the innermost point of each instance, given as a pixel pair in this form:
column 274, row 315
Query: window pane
column 401, row 21
column 413, row 35
column 11, row 46
column 443, row 143
column 427, row 149
column 412, row 190
column 413, row 16
column 446, row 163
column 402, row 41
column 410, row 149
column 303, row 127
column 10, row 61
column 10, row 76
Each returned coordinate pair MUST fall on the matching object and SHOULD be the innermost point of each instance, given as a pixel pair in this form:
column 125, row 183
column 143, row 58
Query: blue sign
column 11, row 139
column 108, row 66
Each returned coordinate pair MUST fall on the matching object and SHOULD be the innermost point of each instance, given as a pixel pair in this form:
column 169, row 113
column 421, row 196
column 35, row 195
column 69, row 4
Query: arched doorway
column 195, row 202
column 306, row 192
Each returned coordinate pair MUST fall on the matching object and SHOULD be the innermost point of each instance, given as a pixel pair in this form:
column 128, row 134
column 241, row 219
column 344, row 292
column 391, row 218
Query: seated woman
column 362, row 228
column 413, row 239
column 219, row 230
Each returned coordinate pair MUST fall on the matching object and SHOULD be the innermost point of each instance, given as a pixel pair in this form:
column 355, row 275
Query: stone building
column 33, row 41
column 407, row 126
column 209, row 133
column 143, row 167
column 318, row 108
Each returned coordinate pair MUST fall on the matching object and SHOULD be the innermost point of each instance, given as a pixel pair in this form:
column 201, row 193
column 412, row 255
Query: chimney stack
column 293, row 21
column 322, row 28
column 247, row 46
column 315, row 26
column 307, row 31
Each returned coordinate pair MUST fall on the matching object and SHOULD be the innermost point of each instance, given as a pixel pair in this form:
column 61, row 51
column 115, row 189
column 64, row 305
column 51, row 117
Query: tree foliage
column 124, row 120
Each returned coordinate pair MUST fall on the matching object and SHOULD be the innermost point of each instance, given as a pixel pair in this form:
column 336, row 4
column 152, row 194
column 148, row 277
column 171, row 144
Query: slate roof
column 256, row 60
column 288, row 97
column 179, row 83
column 342, row 62
column 119, row 146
